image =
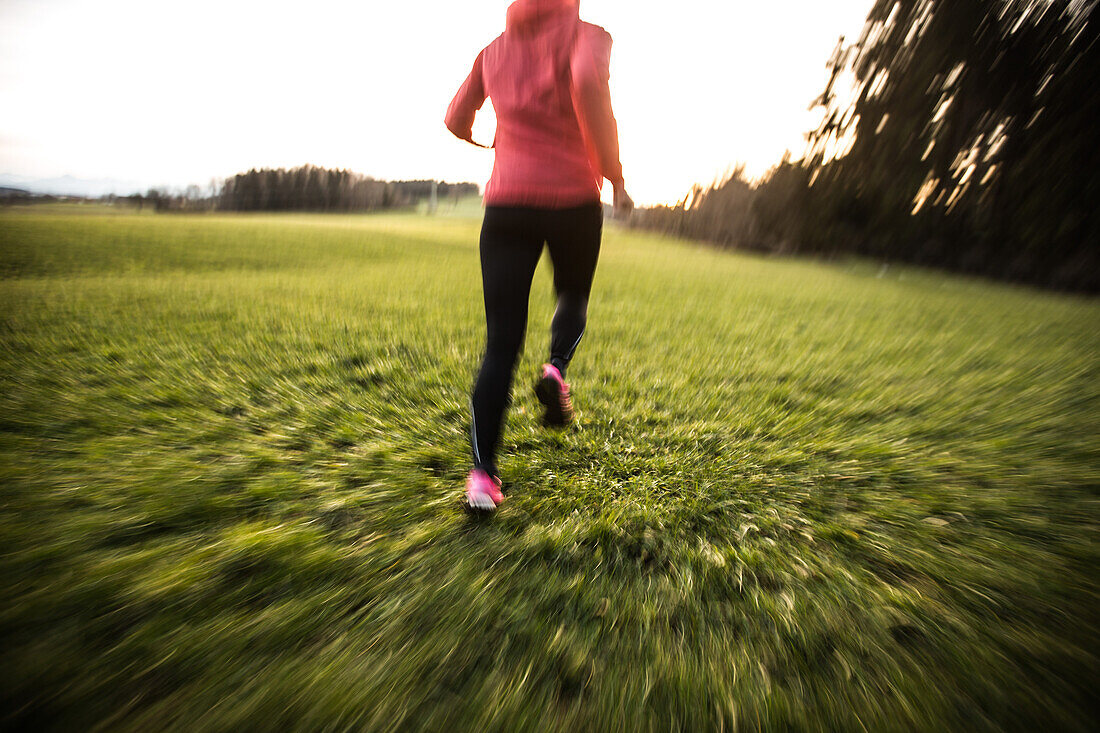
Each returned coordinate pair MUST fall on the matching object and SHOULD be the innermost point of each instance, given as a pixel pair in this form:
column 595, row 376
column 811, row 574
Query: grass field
column 798, row 495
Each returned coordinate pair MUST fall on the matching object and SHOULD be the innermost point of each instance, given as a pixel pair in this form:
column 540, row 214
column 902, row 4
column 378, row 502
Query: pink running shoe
column 553, row 393
column 483, row 491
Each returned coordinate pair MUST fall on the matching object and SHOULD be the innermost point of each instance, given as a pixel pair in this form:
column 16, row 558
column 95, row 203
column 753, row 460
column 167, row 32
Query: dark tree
column 969, row 145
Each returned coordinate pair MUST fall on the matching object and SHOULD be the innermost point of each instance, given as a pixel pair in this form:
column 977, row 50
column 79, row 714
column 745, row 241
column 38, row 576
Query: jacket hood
column 530, row 16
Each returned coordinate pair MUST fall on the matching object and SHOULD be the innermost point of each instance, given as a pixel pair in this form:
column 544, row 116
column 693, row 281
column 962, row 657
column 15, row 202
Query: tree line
column 306, row 188
column 969, row 145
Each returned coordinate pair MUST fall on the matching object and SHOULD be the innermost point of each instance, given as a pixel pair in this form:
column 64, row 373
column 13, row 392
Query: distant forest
column 306, row 188
column 970, row 144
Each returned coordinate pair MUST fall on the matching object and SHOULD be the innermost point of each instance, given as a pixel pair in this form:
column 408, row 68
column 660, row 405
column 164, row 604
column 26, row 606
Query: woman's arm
column 464, row 107
column 590, row 70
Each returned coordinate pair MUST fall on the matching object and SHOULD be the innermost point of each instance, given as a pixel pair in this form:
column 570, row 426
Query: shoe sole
column 481, row 503
column 546, row 389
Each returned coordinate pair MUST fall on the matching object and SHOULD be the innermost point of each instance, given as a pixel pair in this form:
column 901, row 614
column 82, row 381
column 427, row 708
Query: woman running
column 556, row 141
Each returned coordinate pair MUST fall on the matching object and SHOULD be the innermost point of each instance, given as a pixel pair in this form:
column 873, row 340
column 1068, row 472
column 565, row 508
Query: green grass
column 797, row 496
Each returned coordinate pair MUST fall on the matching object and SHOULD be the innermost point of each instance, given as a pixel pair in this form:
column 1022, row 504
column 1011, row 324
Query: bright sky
column 181, row 93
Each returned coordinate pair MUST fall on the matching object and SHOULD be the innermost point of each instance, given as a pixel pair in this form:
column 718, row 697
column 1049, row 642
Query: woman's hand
column 623, row 203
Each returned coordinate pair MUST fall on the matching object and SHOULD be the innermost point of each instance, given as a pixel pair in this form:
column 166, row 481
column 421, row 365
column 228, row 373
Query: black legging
column 511, row 244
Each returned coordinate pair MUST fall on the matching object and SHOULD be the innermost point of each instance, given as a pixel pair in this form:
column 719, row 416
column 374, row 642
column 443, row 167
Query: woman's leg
column 511, row 244
column 574, row 241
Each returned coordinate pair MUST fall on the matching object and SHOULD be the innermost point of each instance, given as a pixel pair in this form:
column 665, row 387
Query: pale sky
column 178, row 93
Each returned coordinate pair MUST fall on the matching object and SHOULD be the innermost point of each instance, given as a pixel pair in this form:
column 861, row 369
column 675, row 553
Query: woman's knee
column 573, row 302
column 504, row 348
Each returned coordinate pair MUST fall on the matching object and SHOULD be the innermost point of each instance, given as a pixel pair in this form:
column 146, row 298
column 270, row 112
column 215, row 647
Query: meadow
column 798, row 495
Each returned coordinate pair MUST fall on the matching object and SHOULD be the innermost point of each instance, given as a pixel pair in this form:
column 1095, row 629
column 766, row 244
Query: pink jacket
column 556, row 138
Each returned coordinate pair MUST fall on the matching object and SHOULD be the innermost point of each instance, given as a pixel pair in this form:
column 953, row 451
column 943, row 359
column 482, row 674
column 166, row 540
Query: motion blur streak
column 851, row 485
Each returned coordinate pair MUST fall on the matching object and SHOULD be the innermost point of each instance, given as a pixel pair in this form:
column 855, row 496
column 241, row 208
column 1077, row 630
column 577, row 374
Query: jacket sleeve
column 471, row 95
column 590, row 71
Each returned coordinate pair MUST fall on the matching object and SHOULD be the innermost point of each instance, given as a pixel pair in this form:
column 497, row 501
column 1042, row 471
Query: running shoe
column 553, row 393
column 483, row 491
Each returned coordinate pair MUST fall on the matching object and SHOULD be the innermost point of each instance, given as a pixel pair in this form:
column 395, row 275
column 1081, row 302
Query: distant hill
column 71, row 186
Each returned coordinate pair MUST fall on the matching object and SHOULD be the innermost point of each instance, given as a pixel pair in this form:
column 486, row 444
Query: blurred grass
column 797, row 496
